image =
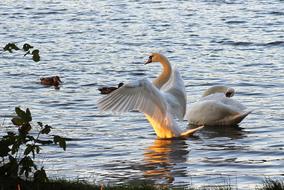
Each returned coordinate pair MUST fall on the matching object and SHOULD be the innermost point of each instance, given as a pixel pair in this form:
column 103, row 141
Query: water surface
column 95, row 43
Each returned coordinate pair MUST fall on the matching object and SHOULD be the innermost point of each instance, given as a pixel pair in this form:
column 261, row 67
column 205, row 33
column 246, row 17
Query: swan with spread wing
column 162, row 101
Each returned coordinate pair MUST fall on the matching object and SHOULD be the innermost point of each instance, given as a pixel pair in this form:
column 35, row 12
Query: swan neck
column 165, row 75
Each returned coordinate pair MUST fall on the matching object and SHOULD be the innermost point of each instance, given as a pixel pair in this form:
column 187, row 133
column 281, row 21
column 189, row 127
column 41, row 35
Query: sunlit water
column 95, row 43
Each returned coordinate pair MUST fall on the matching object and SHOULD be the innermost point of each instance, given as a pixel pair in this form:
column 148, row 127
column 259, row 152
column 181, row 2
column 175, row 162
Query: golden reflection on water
column 161, row 160
column 167, row 160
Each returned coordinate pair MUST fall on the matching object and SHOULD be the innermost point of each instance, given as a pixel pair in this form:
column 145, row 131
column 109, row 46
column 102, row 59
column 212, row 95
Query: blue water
column 90, row 44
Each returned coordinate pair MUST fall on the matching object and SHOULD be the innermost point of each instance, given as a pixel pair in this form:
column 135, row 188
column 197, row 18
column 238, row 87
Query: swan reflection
column 232, row 132
column 163, row 160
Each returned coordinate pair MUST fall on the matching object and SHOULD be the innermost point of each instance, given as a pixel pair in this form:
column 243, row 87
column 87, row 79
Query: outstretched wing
column 141, row 95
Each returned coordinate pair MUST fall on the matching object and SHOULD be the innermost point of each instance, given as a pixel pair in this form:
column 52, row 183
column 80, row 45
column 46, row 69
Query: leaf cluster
column 26, row 47
column 18, row 150
column 10, row 47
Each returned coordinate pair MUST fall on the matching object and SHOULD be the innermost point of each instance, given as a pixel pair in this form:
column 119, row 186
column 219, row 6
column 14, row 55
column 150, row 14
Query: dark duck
column 51, row 81
column 107, row 90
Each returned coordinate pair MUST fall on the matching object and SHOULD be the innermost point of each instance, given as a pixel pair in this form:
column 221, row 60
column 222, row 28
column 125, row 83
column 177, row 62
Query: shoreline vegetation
column 7, row 183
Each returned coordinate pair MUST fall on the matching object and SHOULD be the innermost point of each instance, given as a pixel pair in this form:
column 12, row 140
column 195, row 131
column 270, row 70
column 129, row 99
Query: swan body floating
column 217, row 108
column 161, row 101
column 107, row 90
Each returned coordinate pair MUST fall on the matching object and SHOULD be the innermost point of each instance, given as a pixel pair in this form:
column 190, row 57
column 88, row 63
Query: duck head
column 56, row 79
column 120, row 84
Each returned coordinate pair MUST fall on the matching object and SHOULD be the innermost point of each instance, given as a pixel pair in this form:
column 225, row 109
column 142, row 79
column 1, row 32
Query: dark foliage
column 26, row 47
column 270, row 184
column 10, row 47
column 18, row 150
column 7, row 184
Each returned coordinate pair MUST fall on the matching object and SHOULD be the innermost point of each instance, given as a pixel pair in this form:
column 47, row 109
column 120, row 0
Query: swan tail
column 238, row 118
column 190, row 132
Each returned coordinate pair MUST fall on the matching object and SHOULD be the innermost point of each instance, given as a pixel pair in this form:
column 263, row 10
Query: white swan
column 216, row 108
column 229, row 92
column 160, row 101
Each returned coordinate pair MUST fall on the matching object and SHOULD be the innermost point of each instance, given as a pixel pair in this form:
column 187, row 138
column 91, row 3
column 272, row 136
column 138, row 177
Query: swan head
column 230, row 92
column 155, row 57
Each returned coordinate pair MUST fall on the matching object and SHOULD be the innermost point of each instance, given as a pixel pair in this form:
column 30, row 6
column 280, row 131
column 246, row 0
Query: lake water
column 90, row 44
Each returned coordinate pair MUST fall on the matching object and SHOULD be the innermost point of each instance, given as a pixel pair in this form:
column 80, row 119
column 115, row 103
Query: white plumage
column 217, row 108
column 160, row 101
column 140, row 95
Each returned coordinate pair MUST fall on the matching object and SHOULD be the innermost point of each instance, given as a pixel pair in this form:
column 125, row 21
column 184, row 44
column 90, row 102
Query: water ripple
column 212, row 42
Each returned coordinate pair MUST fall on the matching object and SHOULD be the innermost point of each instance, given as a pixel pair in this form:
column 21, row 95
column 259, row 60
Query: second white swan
column 217, row 108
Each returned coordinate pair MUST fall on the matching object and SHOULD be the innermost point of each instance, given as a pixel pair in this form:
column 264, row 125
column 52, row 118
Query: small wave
column 234, row 43
column 235, row 22
column 240, row 43
column 247, row 84
column 89, row 84
column 278, row 13
column 42, row 13
column 137, row 74
column 275, row 43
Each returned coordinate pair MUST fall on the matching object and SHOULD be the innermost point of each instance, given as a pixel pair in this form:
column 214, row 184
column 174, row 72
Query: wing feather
column 111, row 102
column 120, row 103
column 141, row 95
column 175, row 94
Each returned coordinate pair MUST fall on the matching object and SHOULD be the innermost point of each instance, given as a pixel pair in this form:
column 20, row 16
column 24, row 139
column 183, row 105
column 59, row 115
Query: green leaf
column 22, row 170
column 33, row 151
column 25, row 128
column 60, row 140
column 4, row 149
column 62, row 143
column 27, row 46
column 28, row 150
column 24, row 115
column 43, row 142
column 46, row 129
column 40, row 176
column 36, row 57
column 28, row 115
column 10, row 46
column 10, row 169
column 17, row 121
column 26, row 166
column 9, row 139
column 20, row 113
column 6, row 48
column 56, row 139
column 16, row 145
column 37, row 148
column 30, row 138
column 31, row 148
column 13, row 46
column 15, row 148
column 40, row 124
column 9, row 133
